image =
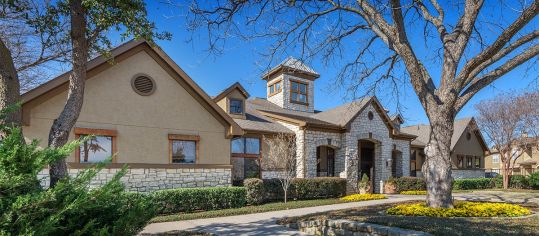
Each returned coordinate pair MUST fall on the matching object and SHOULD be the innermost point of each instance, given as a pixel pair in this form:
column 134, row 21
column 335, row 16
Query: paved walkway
column 261, row 223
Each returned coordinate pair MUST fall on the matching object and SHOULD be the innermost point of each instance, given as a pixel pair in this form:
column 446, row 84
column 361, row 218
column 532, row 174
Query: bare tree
column 506, row 121
column 373, row 38
column 281, row 158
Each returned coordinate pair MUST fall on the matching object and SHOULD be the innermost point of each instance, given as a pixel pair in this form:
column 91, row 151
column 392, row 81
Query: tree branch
column 483, row 81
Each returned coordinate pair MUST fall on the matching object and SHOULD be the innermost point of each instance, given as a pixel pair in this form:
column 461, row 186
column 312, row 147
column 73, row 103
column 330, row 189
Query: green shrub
column 198, row 199
column 254, row 191
column 515, row 181
column 68, row 208
column 409, row 183
column 316, row 188
column 533, row 180
column 473, row 183
column 300, row 189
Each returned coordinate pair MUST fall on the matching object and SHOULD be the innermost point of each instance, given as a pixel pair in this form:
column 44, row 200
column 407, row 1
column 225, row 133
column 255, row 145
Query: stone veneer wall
column 462, row 174
column 282, row 99
column 300, row 148
column 270, row 174
column 313, row 139
column 360, row 129
column 466, row 174
column 152, row 179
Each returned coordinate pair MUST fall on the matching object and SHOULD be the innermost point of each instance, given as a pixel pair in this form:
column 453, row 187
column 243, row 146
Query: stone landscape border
column 348, row 227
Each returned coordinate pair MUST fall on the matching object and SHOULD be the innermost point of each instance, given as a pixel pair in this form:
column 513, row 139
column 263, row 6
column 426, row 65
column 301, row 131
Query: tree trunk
column 285, row 194
column 437, row 167
column 9, row 86
column 62, row 126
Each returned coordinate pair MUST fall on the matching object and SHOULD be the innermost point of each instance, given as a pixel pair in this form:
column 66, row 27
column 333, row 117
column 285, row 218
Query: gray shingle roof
column 341, row 115
column 296, row 64
column 255, row 121
column 423, row 132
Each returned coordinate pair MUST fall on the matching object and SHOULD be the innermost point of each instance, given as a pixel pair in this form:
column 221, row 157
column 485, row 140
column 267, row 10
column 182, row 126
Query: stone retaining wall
column 152, row 179
column 347, row 227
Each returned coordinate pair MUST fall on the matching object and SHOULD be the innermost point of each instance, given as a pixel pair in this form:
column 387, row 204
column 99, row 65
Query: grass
column 275, row 206
column 437, row 226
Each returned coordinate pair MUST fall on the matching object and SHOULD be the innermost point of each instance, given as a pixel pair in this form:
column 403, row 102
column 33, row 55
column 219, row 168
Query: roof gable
column 236, row 86
column 459, row 128
column 59, row 84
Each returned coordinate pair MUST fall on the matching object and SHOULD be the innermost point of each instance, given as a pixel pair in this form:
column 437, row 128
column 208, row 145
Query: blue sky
column 240, row 62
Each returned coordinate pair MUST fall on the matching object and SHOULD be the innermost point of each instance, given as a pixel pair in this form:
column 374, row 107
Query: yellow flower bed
column 414, row 192
column 362, row 197
column 461, row 209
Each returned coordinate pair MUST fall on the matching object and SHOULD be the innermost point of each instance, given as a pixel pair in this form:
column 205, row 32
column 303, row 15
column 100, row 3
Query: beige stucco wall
column 223, row 103
column 470, row 147
column 142, row 122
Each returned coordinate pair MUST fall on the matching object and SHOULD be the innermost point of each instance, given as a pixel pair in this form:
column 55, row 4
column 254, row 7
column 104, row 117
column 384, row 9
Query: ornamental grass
column 362, row 197
column 461, row 209
column 414, row 192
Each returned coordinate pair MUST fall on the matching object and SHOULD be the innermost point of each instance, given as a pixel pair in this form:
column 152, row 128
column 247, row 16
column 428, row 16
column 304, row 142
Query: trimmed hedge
column 515, row 181
column 267, row 190
column 198, row 199
column 408, row 183
column 473, row 183
column 533, row 180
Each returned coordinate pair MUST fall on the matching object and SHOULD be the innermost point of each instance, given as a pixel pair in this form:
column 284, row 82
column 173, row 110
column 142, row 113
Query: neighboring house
column 468, row 149
column 526, row 164
column 145, row 109
column 345, row 141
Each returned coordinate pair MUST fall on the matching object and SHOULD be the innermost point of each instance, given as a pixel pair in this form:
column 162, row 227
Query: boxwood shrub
column 533, row 180
column 408, row 183
column 267, row 190
column 515, row 181
column 473, row 183
column 198, row 199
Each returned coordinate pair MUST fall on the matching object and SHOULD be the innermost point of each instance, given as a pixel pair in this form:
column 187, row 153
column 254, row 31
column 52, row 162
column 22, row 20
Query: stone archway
column 325, row 161
column 367, row 160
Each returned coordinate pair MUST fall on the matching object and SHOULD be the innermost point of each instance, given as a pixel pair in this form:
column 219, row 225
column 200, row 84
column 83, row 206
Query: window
column 183, row 148
column 236, row 106
column 249, row 146
column 496, row 158
column 460, row 161
column 477, row 163
column 99, row 146
column 298, row 92
column 275, row 88
column 469, row 163
column 245, row 159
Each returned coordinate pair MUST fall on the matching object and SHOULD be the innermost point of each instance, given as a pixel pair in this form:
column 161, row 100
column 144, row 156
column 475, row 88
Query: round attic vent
column 143, row 85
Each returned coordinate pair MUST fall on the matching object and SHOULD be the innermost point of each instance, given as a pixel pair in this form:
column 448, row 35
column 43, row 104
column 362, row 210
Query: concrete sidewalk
column 261, row 223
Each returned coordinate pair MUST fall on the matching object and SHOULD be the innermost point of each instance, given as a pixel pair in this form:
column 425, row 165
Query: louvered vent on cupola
column 143, row 85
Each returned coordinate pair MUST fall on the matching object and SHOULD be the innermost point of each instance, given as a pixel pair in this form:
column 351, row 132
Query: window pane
column 237, row 145
column 96, row 149
column 303, row 88
column 183, row 151
column 294, row 86
column 477, row 162
column 236, row 106
column 294, row 96
column 271, row 88
column 302, row 98
column 252, row 145
column 278, row 86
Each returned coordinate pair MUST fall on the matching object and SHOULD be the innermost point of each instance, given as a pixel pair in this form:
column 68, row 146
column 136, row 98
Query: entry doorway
column 366, row 160
column 325, row 161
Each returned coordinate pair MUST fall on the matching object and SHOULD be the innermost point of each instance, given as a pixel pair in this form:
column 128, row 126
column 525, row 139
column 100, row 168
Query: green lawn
column 437, row 226
column 276, row 206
